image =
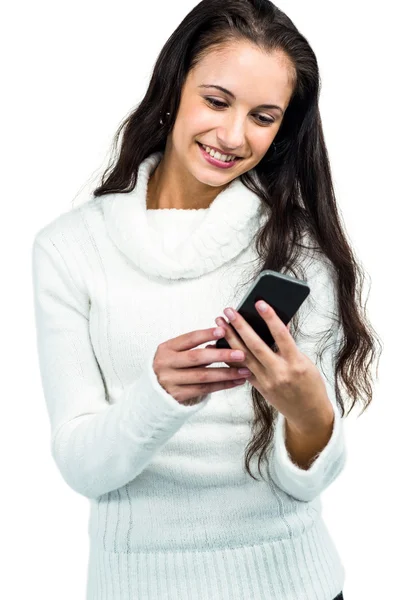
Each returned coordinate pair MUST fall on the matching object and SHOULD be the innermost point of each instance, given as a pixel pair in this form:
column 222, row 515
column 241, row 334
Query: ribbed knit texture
column 173, row 513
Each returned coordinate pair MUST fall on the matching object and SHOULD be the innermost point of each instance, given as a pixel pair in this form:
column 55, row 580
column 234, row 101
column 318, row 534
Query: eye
column 215, row 103
column 267, row 121
column 218, row 105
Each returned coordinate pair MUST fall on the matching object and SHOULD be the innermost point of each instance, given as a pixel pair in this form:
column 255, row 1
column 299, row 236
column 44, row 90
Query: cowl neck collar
column 228, row 227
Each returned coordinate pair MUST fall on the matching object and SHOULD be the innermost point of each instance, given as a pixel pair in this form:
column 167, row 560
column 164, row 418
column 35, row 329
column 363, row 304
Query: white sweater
column 173, row 513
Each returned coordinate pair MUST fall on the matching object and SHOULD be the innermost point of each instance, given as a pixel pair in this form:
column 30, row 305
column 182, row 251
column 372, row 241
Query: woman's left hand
column 287, row 379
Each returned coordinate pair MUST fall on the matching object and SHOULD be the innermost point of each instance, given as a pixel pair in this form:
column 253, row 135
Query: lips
column 227, row 153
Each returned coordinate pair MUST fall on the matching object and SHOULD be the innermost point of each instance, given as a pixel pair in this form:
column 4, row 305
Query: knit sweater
column 173, row 513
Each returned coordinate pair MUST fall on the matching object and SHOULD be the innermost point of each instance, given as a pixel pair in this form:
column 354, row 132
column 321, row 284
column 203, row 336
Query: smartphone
column 283, row 292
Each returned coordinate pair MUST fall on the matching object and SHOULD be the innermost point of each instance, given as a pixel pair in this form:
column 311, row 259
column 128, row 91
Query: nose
column 231, row 137
column 229, row 146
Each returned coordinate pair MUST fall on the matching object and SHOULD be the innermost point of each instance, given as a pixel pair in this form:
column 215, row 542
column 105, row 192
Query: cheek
column 192, row 123
column 261, row 141
column 199, row 119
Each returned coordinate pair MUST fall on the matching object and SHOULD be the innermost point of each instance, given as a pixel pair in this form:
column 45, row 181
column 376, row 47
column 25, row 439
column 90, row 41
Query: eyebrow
column 232, row 95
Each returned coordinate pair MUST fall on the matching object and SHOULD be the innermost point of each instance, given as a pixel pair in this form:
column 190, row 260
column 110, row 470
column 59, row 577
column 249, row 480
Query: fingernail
column 218, row 331
column 229, row 313
column 262, row 306
column 244, row 371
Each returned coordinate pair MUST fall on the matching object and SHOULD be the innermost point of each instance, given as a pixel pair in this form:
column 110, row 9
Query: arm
column 303, row 445
column 306, row 460
column 97, row 447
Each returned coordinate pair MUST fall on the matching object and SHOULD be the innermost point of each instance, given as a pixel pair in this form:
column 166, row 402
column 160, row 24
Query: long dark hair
column 294, row 177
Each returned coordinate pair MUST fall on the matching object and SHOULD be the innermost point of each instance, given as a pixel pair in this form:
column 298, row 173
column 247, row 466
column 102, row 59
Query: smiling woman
column 238, row 121
column 126, row 291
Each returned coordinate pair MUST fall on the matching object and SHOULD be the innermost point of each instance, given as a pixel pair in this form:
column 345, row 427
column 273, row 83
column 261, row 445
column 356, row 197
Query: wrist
column 320, row 419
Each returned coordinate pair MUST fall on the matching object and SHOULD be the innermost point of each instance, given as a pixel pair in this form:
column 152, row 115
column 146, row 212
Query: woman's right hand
column 181, row 368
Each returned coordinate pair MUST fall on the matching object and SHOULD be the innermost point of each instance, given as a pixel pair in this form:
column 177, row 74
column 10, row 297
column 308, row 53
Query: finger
column 231, row 336
column 190, row 340
column 236, row 343
column 257, row 347
column 262, row 352
column 279, row 331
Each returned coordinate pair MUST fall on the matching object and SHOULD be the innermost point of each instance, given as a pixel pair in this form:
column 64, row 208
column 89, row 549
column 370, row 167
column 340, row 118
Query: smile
column 216, row 160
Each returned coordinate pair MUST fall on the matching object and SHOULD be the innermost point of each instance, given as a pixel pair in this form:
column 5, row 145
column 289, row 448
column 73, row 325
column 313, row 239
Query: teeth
column 218, row 155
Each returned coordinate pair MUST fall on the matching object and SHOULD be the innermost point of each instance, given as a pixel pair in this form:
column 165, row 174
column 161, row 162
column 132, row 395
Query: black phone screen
column 283, row 292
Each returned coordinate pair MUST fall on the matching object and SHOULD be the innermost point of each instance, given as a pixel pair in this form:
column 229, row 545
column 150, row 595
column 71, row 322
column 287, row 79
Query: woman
column 222, row 172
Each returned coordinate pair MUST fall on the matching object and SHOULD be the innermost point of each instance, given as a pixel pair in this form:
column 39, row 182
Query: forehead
column 249, row 72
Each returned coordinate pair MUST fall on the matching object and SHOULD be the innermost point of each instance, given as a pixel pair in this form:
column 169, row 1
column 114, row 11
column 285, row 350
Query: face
column 235, row 124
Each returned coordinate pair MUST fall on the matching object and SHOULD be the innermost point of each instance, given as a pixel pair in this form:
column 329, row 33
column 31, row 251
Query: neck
column 168, row 187
column 227, row 228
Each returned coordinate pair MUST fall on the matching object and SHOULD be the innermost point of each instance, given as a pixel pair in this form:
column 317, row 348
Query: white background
column 70, row 73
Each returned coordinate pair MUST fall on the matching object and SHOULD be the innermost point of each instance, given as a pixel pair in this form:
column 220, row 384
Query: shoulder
column 66, row 241
column 71, row 225
column 315, row 265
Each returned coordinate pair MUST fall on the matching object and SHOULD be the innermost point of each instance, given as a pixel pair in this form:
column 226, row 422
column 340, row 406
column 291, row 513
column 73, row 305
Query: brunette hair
column 293, row 179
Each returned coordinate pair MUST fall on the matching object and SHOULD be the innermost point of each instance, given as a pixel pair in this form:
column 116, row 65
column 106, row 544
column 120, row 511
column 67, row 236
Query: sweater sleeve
column 318, row 317
column 96, row 446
